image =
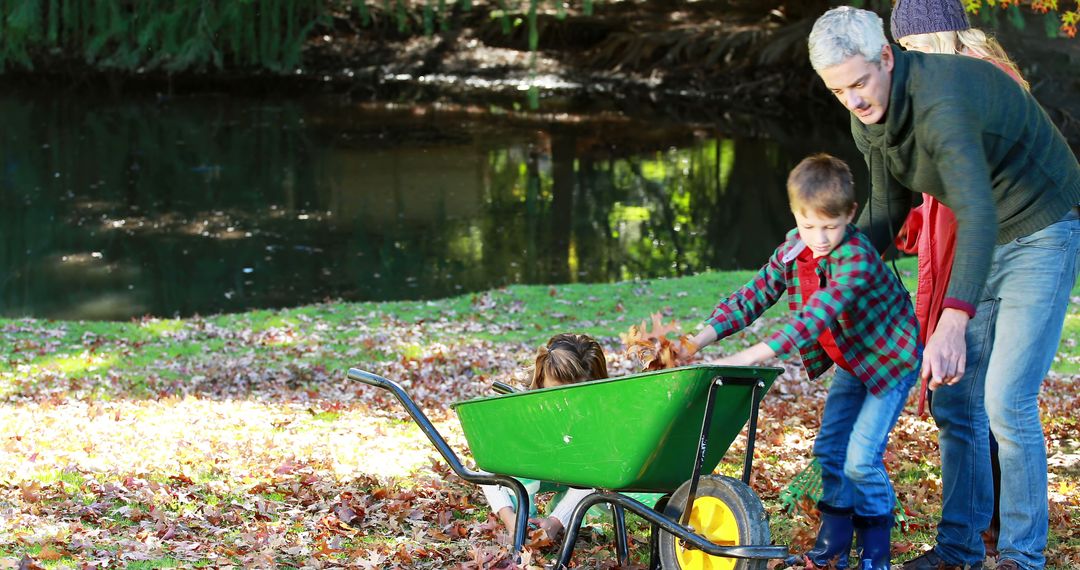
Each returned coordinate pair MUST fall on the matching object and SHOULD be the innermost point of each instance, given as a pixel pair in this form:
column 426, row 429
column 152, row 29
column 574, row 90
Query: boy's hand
column 945, row 357
column 685, row 349
column 749, row 357
column 729, row 361
column 703, row 338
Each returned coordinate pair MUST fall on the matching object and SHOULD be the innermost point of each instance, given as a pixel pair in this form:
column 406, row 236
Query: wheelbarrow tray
column 632, row 433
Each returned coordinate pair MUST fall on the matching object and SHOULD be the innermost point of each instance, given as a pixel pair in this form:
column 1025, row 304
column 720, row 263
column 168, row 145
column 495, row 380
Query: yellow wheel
column 727, row 513
column 712, row 519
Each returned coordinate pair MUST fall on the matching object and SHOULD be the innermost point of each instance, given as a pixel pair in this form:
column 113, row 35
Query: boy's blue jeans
column 1011, row 343
column 850, row 445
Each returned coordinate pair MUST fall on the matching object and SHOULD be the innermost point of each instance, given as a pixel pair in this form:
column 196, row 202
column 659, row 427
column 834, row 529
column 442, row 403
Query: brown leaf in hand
column 538, row 539
column 652, row 348
column 659, row 329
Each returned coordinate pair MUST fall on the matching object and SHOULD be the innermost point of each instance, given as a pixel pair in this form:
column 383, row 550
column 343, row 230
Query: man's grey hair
column 845, row 32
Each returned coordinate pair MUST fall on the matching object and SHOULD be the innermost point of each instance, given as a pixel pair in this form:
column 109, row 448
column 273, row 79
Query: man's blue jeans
column 850, row 445
column 1011, row 343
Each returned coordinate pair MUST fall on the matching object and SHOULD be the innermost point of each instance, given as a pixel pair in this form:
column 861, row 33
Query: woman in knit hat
column 941, row 26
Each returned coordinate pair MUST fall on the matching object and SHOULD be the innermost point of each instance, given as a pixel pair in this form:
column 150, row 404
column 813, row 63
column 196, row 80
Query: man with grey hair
column 964, row 132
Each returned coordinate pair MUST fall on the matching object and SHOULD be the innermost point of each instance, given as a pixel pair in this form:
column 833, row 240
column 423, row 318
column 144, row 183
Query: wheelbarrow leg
column 654, row 536
column 654, row 547
column 477, row 477
column 622, row 547
column 618, row 505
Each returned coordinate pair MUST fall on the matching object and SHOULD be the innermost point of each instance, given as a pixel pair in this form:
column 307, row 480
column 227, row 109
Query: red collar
column 805, row 255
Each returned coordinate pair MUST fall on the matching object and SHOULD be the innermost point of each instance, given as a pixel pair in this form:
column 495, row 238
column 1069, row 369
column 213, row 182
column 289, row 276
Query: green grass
column 53, row 475
column 34, row 551
column 325, row 416
column 917, row 473
column 166, row 563
column 330, row 334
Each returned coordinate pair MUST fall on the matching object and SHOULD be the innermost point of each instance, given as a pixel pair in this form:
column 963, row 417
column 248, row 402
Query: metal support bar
column 688, row 536
column 622, row 542
column 478, row 477
column 751, row 434
column 703, row 443
column 654, row 535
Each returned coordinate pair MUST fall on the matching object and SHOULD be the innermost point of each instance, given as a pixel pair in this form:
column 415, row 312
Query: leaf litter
column 255, row 451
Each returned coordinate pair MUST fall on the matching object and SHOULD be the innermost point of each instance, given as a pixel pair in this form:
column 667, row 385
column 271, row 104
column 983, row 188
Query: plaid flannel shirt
column 864, row 305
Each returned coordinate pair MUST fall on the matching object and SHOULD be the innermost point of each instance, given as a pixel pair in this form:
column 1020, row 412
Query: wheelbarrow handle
column 477, row 477
column 502, row 388
column 372, row 379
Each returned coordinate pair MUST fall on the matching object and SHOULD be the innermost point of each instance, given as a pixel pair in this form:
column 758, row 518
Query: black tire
column 746, row 509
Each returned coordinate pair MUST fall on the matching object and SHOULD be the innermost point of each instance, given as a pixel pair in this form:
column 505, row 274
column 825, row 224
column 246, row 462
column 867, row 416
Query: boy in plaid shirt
column 847, row 309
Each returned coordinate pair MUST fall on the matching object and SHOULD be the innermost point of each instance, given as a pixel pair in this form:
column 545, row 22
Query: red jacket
column 930, row 232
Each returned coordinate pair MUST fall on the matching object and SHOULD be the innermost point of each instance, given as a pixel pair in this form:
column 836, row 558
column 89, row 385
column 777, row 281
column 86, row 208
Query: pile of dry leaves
column 227, row 458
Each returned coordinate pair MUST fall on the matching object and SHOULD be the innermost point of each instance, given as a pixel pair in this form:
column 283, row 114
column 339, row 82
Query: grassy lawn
column 236, row 440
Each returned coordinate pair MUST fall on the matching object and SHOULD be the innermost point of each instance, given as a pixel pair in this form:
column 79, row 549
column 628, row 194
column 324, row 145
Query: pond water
column 115, row 208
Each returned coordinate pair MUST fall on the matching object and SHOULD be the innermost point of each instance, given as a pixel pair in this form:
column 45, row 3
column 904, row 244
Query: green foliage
column 193, row 35
column 1062, row 16
column 429, row 19
column 365, row 14
column 402, row 16
column 180, row 35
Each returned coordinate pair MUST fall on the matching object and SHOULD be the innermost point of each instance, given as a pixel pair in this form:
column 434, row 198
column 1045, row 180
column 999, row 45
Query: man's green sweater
column 961, row 130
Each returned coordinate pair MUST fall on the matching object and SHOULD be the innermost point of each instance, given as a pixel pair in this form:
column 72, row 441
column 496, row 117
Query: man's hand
column 946, row 352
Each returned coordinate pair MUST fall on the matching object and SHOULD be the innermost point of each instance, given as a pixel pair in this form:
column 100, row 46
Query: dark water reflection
column 119, row 208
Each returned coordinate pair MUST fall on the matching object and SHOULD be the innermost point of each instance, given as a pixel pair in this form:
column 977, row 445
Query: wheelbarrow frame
column 617, row 500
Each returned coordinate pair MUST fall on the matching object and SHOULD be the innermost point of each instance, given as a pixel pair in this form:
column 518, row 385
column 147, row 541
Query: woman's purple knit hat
column 927, row 16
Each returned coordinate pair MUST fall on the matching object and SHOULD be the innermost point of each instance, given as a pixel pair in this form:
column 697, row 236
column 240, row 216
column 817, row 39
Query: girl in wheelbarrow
column 567, row 358
column 848, row 309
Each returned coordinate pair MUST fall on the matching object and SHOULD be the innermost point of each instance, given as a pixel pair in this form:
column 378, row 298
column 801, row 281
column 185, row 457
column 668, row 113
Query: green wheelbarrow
column 660, row 432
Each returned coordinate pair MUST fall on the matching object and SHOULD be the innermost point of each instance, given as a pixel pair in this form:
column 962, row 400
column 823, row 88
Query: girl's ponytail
column 569, row 358
column 539, row 368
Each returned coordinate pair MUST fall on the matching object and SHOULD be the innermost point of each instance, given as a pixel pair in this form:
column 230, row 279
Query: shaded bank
column 640, row 58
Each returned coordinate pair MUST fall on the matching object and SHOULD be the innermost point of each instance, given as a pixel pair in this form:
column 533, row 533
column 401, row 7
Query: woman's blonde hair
column 569, row 358
column 971, row 41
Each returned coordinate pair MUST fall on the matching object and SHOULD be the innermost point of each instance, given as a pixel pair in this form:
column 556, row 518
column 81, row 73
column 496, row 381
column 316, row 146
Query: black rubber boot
column 833, row 544
column 873, row 542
